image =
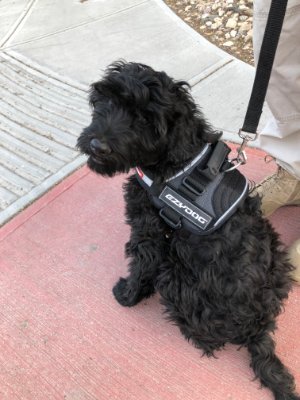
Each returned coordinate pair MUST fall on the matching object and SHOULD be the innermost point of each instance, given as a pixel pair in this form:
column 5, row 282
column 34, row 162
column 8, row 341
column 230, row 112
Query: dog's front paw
column 124, row 294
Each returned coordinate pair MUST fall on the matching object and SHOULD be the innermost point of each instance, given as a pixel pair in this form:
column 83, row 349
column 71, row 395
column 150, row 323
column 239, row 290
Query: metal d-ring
column 241, row 157
column 238, row 160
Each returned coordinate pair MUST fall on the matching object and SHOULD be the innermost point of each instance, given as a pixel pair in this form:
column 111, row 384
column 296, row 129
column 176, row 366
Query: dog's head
column 140, row 116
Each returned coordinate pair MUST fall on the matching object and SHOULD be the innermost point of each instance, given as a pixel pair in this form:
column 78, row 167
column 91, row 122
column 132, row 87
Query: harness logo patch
column 185, row 208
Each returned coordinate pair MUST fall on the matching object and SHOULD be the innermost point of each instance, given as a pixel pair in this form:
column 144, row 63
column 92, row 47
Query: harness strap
column 171, row 217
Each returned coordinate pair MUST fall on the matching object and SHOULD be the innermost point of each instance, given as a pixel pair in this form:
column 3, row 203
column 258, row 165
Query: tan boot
column 294, row 254
column 279, row 189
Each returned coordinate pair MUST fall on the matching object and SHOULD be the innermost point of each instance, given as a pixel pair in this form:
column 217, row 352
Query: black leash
column 262, row 76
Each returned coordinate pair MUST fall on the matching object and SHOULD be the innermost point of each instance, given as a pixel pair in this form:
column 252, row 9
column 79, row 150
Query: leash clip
column 241, row 157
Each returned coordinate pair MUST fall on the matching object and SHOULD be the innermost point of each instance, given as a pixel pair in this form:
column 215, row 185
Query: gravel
column 226, row 23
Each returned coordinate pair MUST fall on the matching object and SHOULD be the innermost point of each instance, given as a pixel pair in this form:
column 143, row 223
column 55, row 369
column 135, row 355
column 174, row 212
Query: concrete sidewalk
column 79, row 39
column 50, row 51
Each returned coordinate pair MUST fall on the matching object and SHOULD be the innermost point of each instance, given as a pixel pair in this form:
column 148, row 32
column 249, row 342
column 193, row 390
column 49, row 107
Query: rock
column 231, row 23
column 216, row 25
column 245, row 26
column 248, row 12
column 229, row 43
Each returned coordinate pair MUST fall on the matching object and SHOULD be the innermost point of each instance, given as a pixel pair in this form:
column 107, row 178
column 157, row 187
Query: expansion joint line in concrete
column 18, row 22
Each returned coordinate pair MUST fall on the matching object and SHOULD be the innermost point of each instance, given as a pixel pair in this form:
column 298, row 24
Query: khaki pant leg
column 281, row 135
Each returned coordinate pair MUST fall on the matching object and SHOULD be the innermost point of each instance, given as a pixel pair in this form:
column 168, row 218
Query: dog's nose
column 98, row 147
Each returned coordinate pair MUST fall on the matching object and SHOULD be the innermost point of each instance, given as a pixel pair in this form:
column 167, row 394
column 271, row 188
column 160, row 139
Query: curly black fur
column 225, row 287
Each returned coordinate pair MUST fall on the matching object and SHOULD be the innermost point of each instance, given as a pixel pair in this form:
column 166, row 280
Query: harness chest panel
column 188, row 209
column 202, row 196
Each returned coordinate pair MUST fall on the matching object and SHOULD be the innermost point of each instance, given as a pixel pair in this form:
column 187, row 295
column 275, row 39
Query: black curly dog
column 228, row 286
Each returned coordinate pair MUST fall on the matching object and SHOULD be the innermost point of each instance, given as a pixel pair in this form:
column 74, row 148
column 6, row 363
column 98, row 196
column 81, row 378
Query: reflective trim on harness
column 144, row 177
column 192, row 163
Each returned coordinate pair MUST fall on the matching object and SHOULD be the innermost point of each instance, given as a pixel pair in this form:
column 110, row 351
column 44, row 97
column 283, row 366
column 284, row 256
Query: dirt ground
column 226, row 23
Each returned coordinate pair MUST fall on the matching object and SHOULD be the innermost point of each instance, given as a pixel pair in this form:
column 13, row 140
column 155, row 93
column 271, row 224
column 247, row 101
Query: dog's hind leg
column 270, row 370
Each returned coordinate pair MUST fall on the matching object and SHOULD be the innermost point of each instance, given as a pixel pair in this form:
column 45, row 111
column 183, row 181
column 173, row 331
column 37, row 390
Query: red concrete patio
column 63, row 336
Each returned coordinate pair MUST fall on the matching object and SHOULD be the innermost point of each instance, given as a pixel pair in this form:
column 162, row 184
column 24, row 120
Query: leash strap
column 264, row 65
column 262, row 77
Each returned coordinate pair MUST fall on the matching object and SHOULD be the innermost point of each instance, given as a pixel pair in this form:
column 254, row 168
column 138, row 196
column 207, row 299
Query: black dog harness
column 202, row 196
